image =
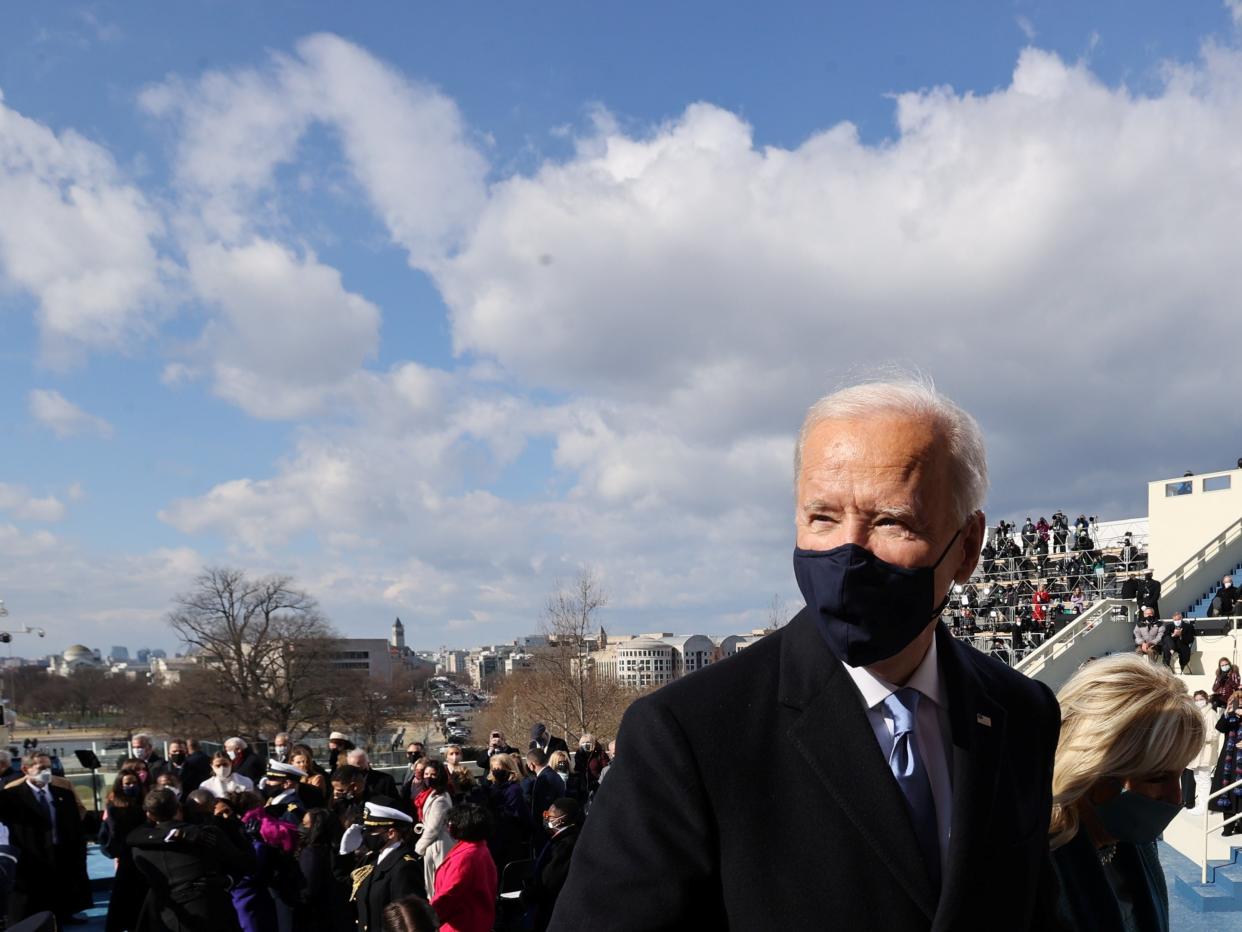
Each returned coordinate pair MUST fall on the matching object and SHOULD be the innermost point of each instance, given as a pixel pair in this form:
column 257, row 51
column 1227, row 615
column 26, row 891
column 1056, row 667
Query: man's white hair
column 358, row 757
column 239, row 742
column 914, row 398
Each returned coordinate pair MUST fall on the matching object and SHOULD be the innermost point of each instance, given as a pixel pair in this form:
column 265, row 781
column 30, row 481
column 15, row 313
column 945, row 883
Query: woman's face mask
column 223, row 772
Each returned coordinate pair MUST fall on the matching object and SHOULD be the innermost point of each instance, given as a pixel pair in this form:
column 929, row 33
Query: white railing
column 1207, row 831
column 1064, row 639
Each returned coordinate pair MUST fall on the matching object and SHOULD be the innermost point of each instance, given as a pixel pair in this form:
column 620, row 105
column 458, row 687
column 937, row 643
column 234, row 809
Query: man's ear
column 972, row 542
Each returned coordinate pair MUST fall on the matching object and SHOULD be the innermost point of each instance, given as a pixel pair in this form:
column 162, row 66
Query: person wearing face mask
column 324, row 904
column 244, row 761
column 508, row 840
column 390, row 869
column 434, row 840
column 378, row 783
column 44, row 825
column 552, row 866
column 224, row 781
column 122, row 814
column 280, row 789
column 1128, row 730
column 1225, row 684
column 918, row 763
column 467, row 881
column 1202, row 765
column 411, row 785
column 1229, row 764
column 280, row 747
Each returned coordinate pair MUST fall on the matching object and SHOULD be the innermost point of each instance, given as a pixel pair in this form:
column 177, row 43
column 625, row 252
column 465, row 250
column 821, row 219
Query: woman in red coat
column 466, row 882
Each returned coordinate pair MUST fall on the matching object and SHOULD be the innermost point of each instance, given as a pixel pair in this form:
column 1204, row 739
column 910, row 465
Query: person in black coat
column 123, row 814
column 545, row 741
column 1178, row 639
column 1225, row 599
column 378, row 783
column 545, row 789
column 496, row 744
column 197, row 766
column 51, row 871
column 887, row 520
column 188, row 868
column 552, row 866
column 391, row 869
column 244, row 760
column 324, row 905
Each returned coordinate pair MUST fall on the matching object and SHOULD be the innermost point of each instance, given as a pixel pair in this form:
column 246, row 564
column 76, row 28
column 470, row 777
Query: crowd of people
column 250, row 842
column 1033, row 580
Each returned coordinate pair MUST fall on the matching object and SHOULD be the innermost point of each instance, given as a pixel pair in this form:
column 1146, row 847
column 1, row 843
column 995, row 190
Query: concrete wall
column 1180, row 525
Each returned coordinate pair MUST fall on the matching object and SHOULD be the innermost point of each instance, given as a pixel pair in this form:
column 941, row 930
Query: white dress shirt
column 932, row 733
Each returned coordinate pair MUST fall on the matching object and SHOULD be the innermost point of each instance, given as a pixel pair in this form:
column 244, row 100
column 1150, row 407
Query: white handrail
column 1064, row 639
column 1208, row 831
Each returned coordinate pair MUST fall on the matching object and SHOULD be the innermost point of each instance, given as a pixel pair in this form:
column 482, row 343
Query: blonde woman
column 559, row 761
column 1128, row 730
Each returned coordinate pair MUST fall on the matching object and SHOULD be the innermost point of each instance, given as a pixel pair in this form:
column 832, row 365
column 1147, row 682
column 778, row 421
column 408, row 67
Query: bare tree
column 264, row 649
column 570, row 622
column 367, row 707
column 776, row 612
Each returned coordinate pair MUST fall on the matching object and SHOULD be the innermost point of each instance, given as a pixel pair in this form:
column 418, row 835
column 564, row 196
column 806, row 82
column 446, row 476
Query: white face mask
column 43, row 777
column 223, row 772
column 1201, row 703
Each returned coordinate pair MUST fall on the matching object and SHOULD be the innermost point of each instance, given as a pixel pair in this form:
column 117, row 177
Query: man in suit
column 142, row 748
column 545, row 741
column 545, row 789
column 910, row 764
column 378, row 783
column 552, row 865
column 46, row 828
column 197, row 766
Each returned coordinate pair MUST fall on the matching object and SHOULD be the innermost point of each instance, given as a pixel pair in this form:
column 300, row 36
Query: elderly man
column 244, row 761
column 378, row 783
column 910, row 764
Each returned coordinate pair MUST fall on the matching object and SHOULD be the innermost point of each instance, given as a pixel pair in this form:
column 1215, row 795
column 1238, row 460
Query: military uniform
column 398, row 875
column 388, row 874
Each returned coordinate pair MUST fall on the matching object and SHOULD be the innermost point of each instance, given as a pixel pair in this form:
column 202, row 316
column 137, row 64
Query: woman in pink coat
column 466, row 881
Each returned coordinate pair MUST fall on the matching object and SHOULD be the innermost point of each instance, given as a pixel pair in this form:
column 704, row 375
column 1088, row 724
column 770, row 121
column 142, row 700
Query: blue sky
column 431, row 308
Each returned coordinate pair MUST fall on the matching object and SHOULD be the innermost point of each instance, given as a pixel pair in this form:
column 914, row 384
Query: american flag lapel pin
column 983, row 719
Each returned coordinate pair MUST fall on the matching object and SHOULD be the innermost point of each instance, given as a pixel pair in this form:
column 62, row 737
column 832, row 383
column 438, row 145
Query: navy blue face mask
column 1136, row 818
column 867, row 609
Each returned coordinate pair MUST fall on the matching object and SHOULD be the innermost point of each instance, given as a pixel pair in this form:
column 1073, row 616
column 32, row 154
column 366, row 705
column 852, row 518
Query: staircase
column 1223, row 891
column 1199, row 609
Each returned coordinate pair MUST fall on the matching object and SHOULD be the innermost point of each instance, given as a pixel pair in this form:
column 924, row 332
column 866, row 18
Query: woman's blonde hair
column 558, row 757
column 1121, row 717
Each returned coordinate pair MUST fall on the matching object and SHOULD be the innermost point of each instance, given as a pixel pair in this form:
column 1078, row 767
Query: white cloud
column 404, row 142
column 76, row 237
column 17, row 501
column 1235, row 11
column 684, row 293
column 288, row 334
column 60, row 415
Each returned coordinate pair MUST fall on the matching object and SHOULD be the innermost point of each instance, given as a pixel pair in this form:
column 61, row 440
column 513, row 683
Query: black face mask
column 867, row 609
column 411, row 756
column 177, row 757
column 270, row 792
column 374, row 841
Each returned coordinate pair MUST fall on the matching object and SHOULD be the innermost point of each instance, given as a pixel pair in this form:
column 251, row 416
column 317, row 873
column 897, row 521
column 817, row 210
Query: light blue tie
column 907, row 766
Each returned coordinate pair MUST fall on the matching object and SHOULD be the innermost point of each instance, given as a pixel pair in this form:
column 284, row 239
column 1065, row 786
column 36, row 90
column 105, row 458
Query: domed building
column 75, row 657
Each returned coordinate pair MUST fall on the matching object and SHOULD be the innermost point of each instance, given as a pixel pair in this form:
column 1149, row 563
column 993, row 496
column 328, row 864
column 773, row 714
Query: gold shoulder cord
column 358, row 875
